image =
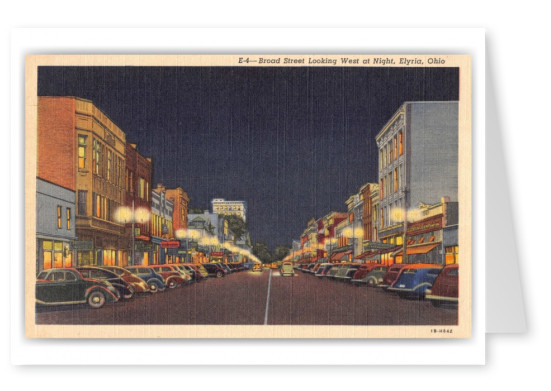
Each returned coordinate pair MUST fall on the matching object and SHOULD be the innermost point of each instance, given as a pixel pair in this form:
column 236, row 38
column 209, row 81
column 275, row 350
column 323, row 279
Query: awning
column 419, row 249
column 368, row 254
column 338, row 256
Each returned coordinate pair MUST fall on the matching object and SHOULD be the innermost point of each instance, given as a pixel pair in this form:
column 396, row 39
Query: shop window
column 85, row 258
column 81, row 152
column 59, row 216
column 452, row 254
column 47, row 248
column 69, row 259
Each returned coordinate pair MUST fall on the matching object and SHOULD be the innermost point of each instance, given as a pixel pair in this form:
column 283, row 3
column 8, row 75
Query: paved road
column 243, row 298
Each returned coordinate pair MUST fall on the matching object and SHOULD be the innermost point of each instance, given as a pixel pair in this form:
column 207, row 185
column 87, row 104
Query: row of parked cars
column 97, row 286
column 429, row 281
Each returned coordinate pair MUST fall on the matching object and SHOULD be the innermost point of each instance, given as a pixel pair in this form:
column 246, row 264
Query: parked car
column 287, row 269
column 333, row 271
column 390, row 276
column 139, row 285
column 195, row 272
column 173, row 276
column 125, row 289
column 155, row 281
column 370, row 274
column 69, row 286
column 347, row 271
column 445, row 289
column 415, row 279
column 323, row 269
column 258, row 267
column 214, row 270
column 201, row 268
column 186, row 272
column 225, row 267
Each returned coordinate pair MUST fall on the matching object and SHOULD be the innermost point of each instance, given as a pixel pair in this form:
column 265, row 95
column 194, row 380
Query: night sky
column 294, row 143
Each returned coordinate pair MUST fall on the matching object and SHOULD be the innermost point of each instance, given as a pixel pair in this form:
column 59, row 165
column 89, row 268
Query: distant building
column 161, row 227
column 418, row 164
column 223, row 207
column 180, row 199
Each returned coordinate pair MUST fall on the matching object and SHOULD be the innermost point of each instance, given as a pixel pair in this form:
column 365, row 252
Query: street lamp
column 187, row 234
column 125, row 215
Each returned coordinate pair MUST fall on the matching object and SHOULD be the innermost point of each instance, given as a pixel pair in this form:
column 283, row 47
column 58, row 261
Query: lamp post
column 132, row 215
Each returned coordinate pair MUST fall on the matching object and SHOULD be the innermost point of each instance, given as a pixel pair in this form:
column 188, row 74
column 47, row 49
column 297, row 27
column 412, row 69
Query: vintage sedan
column 155, row 281
column 139, row 285
column 415, row 279
column 287, row 269
column 369, row 274
column 347, row 271
column 172, row 276
column 201, row 268
column 445, row 288
column 333, row 271
column 323, row 269
column 125, row 289
column 214, row 270
column 390, row 276
column 69, row 286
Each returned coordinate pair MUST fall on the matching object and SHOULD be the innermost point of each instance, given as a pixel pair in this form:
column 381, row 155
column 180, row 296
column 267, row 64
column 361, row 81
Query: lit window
column 401, row 142
column 81, row 152
column 59, row 216
column 68, row 218
column 395, row 180
column 395, row 148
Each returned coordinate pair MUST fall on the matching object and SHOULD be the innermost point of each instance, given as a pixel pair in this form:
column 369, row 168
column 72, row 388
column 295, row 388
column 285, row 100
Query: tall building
column 223, row 207
column 418, row 164
column 139, row 172
column 180, row 200
column 81, row 149
column 162, row 231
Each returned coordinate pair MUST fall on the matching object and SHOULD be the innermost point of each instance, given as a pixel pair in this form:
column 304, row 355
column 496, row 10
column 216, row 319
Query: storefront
column 53, row 254
column 99, row 249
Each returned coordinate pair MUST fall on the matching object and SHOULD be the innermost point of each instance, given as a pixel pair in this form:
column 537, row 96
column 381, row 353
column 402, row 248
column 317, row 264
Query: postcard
column 248, row 196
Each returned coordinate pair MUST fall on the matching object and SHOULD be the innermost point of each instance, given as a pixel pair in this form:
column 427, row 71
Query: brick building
column 81, row 149
column 138, row 176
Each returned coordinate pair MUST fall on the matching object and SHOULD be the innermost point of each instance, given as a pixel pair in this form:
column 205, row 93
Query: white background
column 517, row 52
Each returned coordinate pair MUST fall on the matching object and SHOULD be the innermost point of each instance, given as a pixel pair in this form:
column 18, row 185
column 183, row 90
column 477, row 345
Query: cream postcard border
column 462, row 330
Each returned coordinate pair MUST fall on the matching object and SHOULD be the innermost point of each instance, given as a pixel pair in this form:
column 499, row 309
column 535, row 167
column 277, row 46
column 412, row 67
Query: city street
column 255, row 299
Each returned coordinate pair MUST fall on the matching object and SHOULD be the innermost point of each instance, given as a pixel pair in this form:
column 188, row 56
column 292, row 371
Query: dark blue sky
column 294, row 143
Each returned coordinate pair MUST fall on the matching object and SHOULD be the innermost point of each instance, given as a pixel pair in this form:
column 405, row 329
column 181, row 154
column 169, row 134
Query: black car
column 214, row 270
column 126, row 290
column 69, row 286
